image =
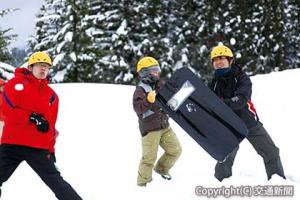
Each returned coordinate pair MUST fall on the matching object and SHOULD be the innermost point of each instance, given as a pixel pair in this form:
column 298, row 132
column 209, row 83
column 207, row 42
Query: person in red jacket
column 2, row 83
column 30, row 108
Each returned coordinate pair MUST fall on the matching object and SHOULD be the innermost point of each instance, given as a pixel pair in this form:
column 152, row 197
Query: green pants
column 167, row 139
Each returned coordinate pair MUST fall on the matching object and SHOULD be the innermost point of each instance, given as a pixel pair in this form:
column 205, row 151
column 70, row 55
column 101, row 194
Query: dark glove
column 231, row 100
column 40, row 122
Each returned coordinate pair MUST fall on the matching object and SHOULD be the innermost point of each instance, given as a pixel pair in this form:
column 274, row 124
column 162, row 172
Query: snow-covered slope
column 98, row 150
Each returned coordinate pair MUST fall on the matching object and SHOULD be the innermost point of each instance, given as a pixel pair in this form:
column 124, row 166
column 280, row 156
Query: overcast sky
column 21, row 21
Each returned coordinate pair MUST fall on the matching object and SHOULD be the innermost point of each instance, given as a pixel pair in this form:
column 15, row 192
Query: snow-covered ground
column 98, row 150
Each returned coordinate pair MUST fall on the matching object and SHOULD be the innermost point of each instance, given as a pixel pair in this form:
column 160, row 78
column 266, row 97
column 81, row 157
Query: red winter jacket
column 2, row 83
column 53, row 141
column 1, row 109
column 23, row 95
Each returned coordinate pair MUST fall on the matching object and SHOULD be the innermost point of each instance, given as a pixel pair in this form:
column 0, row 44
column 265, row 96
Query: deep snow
column 98, row 150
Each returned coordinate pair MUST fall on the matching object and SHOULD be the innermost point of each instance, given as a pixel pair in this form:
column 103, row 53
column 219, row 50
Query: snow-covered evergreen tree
column 126, row 31
column 4, row 42
column 18, row 56
column 5, row 38
column 48, row 23
column 103, row 18
column 249, row 28
column 268, row 38
column 101, row 41
column 148, row 33
column 189, row 32
column 291, row 33
column 6, row 71
column 61, row 32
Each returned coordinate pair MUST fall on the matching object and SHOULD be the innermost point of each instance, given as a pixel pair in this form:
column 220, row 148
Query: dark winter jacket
column 151, row 117
column 235, row 89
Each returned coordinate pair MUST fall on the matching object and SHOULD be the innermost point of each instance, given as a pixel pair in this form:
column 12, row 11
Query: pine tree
column 129, row 30
column 6, row 71
column 189, row 32
column 291, row 33
column 61, row 32
column 253, row 33
column 4, row 42
column 5, row 38
column 49, row 22
column 269, row 44
column 103, row 17
column 18, row 56
column 101, row 41
column 152, row 33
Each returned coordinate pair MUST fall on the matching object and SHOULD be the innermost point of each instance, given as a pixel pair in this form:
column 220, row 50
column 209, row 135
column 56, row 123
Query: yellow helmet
column 221, row 50
column 38, row 57
column 146, row 62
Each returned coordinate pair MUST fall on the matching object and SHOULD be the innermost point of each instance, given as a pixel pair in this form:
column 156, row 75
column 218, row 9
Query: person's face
column 40, row 70
column 221, row 62
column 155, row 74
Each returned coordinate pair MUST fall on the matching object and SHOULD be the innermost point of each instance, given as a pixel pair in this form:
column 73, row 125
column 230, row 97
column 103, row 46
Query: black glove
column 231, row 100
column 40, row 122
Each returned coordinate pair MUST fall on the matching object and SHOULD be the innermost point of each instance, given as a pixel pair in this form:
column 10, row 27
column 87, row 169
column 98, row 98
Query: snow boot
column 224, row 169
column 166, row 176
column 142, row 184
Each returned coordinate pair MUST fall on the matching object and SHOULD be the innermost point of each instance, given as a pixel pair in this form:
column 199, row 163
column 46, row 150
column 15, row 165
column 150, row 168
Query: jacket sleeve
column 1, row 109
column 54, row 112
column 54, row 108
column 11, row 101
column 140, row 103
column 53, row 141
column 242, row 93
